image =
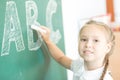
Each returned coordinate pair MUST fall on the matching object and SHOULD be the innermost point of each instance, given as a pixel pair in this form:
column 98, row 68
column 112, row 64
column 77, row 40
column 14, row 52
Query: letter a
column 12, row 30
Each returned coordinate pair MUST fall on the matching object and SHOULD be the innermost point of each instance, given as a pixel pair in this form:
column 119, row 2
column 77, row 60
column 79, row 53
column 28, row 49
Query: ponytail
column 105, row 67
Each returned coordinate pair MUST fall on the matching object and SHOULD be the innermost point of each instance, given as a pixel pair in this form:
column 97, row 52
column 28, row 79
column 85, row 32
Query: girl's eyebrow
column 83, row 36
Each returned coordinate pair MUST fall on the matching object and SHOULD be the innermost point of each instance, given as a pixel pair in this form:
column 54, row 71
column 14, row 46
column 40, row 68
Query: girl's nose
column 88, row 44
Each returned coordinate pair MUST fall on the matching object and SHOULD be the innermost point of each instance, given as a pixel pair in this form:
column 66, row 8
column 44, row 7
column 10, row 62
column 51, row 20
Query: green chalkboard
column 23, row 54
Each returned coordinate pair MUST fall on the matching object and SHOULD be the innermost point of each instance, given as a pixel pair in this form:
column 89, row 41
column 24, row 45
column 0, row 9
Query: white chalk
column 37, row 28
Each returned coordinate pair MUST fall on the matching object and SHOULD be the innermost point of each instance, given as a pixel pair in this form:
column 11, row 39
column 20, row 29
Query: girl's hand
column 45, row 33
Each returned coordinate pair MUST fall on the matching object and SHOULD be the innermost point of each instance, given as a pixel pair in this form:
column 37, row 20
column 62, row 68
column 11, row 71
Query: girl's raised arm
column 56, row 53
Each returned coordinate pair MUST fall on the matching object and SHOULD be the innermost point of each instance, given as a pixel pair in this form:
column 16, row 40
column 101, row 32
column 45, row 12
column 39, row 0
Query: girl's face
column 93, row 43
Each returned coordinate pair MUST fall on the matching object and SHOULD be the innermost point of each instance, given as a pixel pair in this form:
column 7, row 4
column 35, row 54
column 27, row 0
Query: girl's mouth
column 87, row 52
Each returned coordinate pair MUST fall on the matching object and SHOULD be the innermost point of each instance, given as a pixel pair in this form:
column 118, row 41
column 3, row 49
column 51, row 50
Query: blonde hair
column 111, row 39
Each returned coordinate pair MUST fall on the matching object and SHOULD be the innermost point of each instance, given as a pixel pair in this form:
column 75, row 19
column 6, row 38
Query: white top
column 79, row 73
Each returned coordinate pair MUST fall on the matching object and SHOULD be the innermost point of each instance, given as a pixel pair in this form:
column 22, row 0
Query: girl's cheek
column 82, row 45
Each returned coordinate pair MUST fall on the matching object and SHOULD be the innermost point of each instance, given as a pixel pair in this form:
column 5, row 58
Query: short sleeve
column 76, row 64
column 77, row 67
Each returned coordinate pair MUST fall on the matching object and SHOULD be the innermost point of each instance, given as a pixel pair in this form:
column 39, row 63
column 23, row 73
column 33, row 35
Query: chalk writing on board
column 51, row 9
column 13, row 31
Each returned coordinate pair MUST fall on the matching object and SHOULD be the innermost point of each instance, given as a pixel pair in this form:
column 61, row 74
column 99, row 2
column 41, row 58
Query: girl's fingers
column 46, row 30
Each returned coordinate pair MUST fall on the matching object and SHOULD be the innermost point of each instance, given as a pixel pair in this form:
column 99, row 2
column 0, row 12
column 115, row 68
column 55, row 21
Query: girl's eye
column 96, row 40
column 83, row 40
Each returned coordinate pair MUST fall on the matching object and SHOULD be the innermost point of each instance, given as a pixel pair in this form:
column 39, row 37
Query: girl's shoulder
column 108, row 76
column 77, row 64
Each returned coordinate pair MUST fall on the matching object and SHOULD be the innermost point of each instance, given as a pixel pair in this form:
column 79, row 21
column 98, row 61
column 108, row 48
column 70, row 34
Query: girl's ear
column 109, row 45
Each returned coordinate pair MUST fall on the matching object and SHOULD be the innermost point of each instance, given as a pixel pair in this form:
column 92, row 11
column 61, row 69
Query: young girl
column 95, row 45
